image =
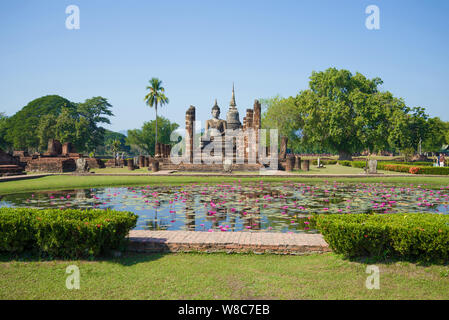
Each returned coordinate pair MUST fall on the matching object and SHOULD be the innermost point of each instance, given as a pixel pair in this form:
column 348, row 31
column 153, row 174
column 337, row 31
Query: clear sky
column 199, row 47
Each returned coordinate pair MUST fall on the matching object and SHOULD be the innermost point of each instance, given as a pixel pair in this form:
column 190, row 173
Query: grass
column 221, row 276
column 69, row 182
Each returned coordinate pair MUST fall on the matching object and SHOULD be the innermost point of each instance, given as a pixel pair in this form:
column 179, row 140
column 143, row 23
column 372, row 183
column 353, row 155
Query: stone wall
column 52, row 164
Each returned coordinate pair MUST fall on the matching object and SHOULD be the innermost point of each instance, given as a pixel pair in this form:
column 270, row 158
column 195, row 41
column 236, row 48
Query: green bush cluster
column 68, row 233
column 406, row 168
column 324, row 162
column 414, row 235
column 400, row 167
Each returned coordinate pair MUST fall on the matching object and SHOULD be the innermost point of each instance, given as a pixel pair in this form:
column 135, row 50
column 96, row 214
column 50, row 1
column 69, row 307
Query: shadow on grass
column 419, row 261
column 126, row 258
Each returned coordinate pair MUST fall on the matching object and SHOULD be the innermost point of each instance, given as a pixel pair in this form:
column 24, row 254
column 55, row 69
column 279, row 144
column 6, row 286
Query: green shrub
column 324, row 162
column 415, row 235
column 64, row 233
column 345, row 163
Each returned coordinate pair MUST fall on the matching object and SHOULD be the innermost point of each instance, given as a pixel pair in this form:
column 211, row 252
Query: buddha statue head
column 215, row 111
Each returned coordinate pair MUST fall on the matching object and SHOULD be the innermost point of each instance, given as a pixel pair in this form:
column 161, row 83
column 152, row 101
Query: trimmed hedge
column 324, row 162
column 399, row 167
column 68, row 233
column 414, row 235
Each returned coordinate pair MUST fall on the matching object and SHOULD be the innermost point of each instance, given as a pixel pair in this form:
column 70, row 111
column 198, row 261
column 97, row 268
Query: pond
column 275, row 207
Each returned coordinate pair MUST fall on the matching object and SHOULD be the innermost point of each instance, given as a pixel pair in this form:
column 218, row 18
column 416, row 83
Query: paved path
column 257, row 242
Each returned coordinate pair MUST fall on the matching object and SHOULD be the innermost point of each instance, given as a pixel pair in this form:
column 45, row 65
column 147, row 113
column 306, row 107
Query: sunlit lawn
column 70, row 182
column 221, row 276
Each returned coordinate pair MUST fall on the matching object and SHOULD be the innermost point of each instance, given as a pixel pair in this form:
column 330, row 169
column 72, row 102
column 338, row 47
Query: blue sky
column 198, row 48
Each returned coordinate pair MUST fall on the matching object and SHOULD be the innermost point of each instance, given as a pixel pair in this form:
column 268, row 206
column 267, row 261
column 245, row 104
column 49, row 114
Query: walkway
column 230, row 242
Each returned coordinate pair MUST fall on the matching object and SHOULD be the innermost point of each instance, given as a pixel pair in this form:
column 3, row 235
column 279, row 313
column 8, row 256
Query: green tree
column 3, row 128
column 46, row 129
column 333, row 110
column 144, row 139
column 437, row 135
column 155, row 96
column 281, row 114
column 21, row 128
column 95, row 111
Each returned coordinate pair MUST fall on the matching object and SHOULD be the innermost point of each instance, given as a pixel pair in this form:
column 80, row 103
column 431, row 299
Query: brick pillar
column 141, row 161
column 283, row 151
column 257, row 124
column 130, row 164
column 297, row 163
column 289, row 165
column 305, row 165
column 190, row 119
column 249, row 125
column 157, row 152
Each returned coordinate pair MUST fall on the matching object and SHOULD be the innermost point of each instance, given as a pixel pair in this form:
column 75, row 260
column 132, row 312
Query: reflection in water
column 280, row 207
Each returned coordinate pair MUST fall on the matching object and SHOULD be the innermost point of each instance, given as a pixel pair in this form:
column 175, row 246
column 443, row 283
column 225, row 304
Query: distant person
column 442, row 160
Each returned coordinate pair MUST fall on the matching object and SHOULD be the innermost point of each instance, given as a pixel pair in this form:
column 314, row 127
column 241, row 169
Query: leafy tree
column 281, row 114
column 156, row 96
column 3, row 127
column 109, row 137
column 46, row 129
column 95, row 111
column 144, row 139
column 333, row 110
column 437, row 136
column 21, row 128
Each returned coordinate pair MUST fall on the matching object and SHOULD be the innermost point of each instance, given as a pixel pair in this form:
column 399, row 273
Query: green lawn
column 68, row 182
column 221, row 276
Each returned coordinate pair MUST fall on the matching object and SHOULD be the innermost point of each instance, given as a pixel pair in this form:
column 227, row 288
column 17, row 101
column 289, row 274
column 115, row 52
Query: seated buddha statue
column 214, row 123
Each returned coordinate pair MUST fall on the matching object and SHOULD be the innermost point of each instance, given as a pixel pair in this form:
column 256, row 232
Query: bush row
column 68, row 233
column 399, row 167
column 422, row 235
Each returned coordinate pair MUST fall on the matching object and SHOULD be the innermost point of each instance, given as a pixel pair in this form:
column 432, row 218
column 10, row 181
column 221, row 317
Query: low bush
column 415, row 235
column 324, row 162
column 68, row 233
column 345, row 163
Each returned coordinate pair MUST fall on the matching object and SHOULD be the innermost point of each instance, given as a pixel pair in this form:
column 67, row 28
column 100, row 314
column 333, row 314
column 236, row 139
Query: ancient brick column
column 305, row 165
column 290, row 164
column 147, row 162
column 297, row 163
column 190, row 119
column 141, row 161
column 67, row 148
column 249, row 125
column 257, row 124
column 283, row 148
column 130, row 164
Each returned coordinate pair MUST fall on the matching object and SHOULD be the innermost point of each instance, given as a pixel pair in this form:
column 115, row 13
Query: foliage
column 280, row 113
column 438, row 135
column 422, row 235
column 405, row 167
column 346, row 113
column 144, row 139
column 156, row 96
column 3, row 122
column 22, row 127
column 56, row 117
column 64, row 233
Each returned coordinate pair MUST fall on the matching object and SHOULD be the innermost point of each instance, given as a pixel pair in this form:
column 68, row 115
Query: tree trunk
column 155, row 143
column 344, row 155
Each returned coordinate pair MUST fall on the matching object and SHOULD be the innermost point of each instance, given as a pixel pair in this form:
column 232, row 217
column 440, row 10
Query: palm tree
column 115, row 146
column 155, row 97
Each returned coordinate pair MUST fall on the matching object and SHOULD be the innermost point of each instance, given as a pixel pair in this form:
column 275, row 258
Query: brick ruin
column 10, row 164
column 58, row 158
